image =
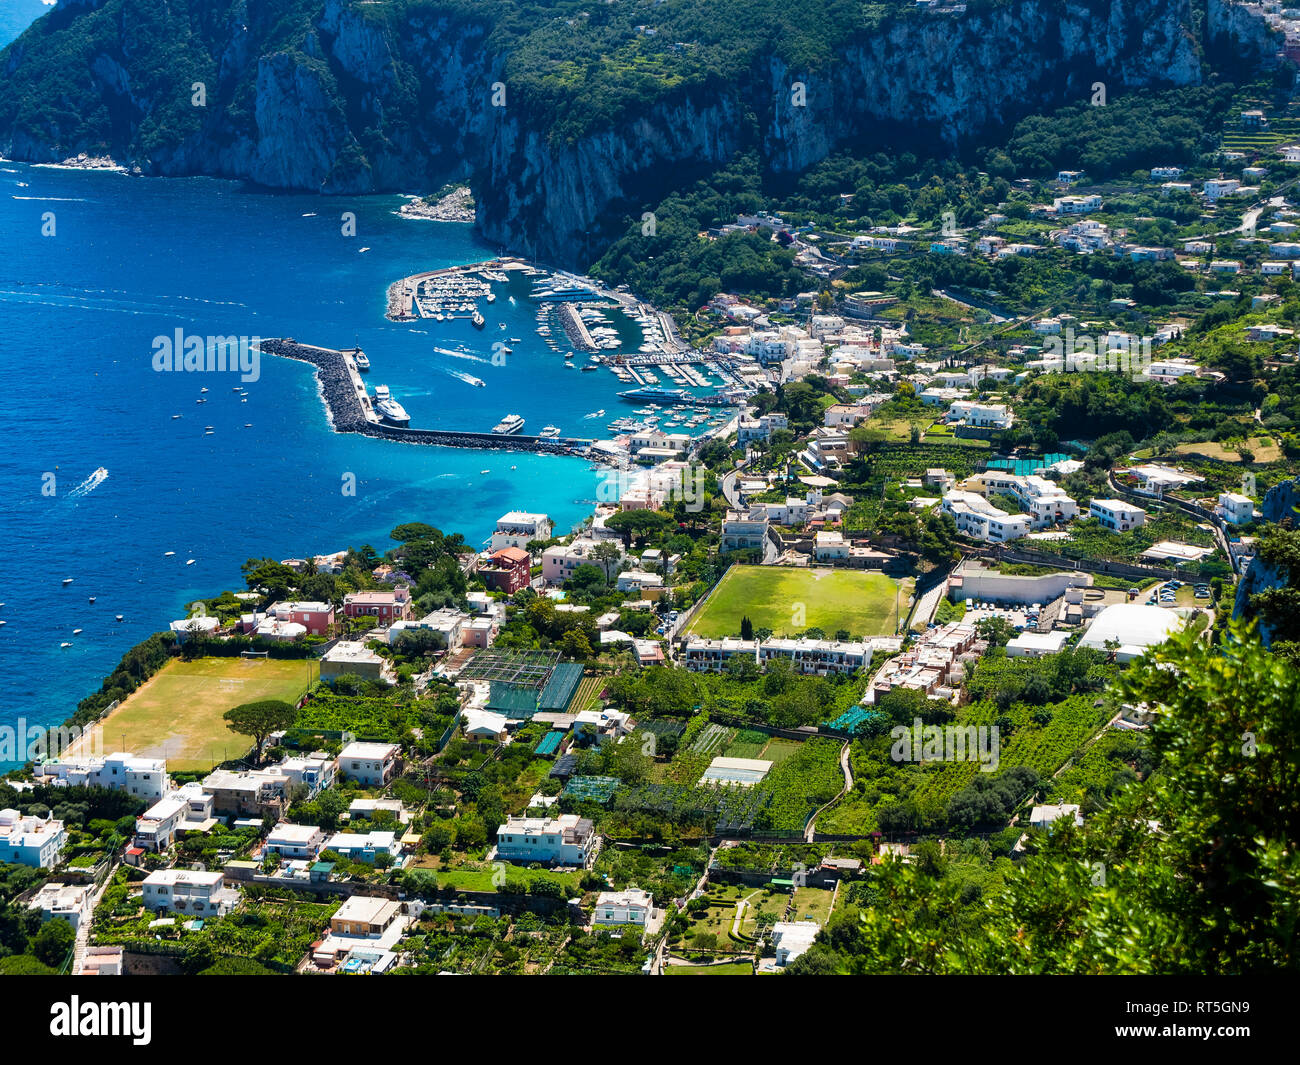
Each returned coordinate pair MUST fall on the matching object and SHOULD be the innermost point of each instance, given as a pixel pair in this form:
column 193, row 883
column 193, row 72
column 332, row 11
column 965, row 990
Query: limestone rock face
column 1280, row 501
column 364, row 99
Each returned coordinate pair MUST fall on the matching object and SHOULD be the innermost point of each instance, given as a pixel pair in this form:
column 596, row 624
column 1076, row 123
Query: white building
column 1044, row 502
column 1116, row 515
column 830, row 546
column 28, row 840
column 792, row 938
column 370, row 764
column 447, row 623
column 636, row 580
column 294, row 841
column 1036, row 644
column 143, row 777
column 1236, row 508
column 188, row 891
column 630, row 906
column 518, row 528
column 71, row 902
column 761, row 428
column 314, row 771
column 365, row 847
column 980, row 415
column 744, row 530
column 1130, row 628
column 1042, row 816
column 155, row 829
column 564, row 840
column 978, row 518
column 1216, row 188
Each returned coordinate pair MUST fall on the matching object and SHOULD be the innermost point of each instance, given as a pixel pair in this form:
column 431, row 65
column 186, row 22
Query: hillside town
column 892, row 608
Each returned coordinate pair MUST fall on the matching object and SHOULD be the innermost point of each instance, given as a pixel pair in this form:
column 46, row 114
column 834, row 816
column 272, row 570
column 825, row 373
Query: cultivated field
column 790, row 601
column 177, row 713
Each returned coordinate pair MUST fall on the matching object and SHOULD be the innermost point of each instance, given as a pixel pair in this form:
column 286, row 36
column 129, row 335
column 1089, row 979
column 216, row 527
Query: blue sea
column 132, row 259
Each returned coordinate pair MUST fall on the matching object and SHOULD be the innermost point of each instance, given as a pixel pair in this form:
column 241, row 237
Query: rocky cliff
column 343, row 96
column 1282, row 501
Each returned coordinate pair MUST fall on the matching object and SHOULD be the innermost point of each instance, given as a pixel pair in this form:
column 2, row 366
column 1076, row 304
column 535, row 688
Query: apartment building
column 1116, row 515
column 370, row 764
column 564, row 840
column 188, row 891
column 145, row 778
column 978, row 518
column 519, row 528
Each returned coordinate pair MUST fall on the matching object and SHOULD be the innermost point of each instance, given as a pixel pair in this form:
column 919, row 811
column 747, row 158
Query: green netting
column 599, row 789
column 1025, row 467
column 559, row 689
column 512, row 700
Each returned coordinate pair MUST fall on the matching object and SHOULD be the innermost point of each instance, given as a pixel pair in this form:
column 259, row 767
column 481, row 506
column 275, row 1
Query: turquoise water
column 134, row 259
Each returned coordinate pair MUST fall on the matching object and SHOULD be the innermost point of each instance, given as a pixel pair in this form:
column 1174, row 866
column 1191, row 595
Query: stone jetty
column 348, row 407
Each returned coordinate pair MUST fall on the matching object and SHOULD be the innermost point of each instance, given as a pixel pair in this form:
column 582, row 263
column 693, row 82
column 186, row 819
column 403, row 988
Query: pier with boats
column 351, row 409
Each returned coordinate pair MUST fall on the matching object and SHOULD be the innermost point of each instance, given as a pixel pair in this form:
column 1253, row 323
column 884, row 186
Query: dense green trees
column 1194, row 870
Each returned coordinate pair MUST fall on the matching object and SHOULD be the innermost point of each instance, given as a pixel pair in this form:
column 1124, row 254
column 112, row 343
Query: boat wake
column 89, row 484
column 460, row 354
column 461, row 375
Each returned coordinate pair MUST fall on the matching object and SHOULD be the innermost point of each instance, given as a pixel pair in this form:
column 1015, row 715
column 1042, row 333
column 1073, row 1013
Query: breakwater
column 348, row 407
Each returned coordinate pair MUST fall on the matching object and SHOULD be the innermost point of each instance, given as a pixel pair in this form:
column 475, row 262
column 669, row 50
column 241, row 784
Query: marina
column 573, row 316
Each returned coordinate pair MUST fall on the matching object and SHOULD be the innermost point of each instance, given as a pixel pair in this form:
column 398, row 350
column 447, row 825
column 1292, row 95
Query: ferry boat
column 549, row 432
column 657, row 394
column 392, row 412
column 362, row 361
column 478, row 320
column 509, row 425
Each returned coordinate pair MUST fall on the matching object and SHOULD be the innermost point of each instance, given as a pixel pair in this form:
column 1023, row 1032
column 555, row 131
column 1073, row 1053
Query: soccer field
column 789, row 601
column 177, row 713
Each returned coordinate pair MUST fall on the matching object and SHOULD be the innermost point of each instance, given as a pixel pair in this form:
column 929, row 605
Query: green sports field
column 789, row 601
column 177, row 713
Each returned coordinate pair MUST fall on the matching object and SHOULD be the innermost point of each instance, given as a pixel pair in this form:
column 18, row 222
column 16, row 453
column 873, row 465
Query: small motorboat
column 76, row 632
column 119, row 617
column 65, row 643
column 67, row 581
column 190, row 561
column 92, row 598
